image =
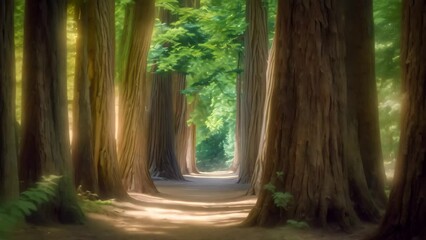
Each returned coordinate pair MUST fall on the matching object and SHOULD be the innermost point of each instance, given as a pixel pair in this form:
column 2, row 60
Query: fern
column 13, row 213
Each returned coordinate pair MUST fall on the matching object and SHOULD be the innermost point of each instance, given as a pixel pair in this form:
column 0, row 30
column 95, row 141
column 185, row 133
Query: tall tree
column 253, row 85
column 363, row 116
column 405, row 217
column 8, row 149
column 304, row 149
column 134, row 94
column 85, row 172
column 163, row 160
column 180, row 107
column 101, row 47
column 45, row 143
column 181, row 116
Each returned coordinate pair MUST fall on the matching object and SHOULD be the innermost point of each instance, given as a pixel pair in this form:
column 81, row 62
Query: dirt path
column 207, row 206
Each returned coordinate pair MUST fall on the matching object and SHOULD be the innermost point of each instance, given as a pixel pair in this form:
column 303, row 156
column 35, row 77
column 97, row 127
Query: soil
column 206, row 206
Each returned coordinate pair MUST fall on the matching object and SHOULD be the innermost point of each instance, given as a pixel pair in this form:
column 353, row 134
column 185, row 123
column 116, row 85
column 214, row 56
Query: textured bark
column 85, row 172
column 236, row 161
column 9, row 187
column 181, row 116
column 255, row 184
column 101, row 44
column 304, row 138
column 132, row 134
column 405, row 217
column 163, row 162
column 190, row 155
column 45, row 143
column 253, row 85
column 363, row 119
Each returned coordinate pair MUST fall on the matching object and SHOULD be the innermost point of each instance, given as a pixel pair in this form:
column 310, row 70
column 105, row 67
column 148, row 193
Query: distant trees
column 405, row 216
column 9, row 187
column 45, row 137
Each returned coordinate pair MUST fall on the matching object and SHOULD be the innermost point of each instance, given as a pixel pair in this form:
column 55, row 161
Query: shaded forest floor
column 207, row 206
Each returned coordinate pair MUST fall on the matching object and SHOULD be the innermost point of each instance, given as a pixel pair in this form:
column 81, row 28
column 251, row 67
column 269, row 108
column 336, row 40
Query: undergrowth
column 13, row 213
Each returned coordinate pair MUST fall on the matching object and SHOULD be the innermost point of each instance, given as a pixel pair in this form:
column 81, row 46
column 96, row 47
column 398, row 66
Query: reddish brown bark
column 304, row 134
column 133, row 133
column 85, row 172
column 101, row 45
column 253, row 85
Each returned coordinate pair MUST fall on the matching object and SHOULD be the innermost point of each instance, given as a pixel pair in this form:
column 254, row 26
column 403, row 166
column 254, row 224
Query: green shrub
column 12, row 213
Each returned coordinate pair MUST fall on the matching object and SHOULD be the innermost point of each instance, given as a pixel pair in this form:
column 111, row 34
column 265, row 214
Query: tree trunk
column 181, row 116
column 255, row 184
column 163, row 162
column 85, row 172
column 405, row 217
column 363, row 119
column 46, row 146
column 132, row 136
column 304, row 139
column 9, row 187
column 253, row 85
column 101, row 44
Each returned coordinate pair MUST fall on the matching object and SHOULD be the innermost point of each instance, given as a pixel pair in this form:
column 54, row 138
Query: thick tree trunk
column 304, row 138
column 9, row 187
column 85, row 172
column 406, row 211
column 101, row 44
column 363, row 119
column 253, row 87
column 163, row 162
column 132, row 137
column 46, row 146
column 181, row 116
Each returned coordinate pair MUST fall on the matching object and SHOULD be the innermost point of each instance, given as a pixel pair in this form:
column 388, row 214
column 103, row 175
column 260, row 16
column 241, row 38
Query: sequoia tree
column 134, row 96
column 304, row 135
column 405, row 216
column 253, row 84
column 181, row 116
column 363, row 117
column 162, row 151
column 8, row 148
column 101, row 48
column 45, row 143
column 163, row 162
column 85, row 171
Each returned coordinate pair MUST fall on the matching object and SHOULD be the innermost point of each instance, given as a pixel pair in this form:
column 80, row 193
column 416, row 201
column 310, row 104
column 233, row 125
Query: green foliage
column 12, row 213
column 211, row 154
column 282, row 200
column 94, row 206
column 387, row 24
column 298, row 224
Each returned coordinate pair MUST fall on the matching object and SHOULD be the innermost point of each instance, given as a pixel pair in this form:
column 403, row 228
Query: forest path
column 208, row 206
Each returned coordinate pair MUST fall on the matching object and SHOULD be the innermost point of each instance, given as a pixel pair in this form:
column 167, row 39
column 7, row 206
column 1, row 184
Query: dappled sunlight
column 182, row 206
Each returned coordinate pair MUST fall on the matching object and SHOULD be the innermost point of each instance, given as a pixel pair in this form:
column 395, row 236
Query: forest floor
column 209, row 206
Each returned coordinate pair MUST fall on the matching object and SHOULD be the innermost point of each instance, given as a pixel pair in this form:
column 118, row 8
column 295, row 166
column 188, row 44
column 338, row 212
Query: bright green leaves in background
column 387, row 24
